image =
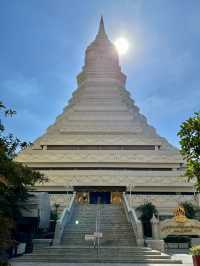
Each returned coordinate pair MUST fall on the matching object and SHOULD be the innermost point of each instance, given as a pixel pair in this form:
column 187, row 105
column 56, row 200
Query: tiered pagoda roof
column 101, row 130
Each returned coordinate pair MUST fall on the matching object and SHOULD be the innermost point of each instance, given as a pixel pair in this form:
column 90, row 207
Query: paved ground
column 187, row 261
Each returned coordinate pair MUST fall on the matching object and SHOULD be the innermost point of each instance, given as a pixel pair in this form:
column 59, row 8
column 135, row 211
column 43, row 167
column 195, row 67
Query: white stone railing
column 61, row 223
column 135, row 222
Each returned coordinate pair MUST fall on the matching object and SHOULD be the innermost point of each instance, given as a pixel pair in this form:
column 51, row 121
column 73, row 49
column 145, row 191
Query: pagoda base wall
column 164, row 203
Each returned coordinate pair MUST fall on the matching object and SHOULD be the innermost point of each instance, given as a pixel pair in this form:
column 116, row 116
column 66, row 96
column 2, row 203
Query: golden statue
column 180, row 215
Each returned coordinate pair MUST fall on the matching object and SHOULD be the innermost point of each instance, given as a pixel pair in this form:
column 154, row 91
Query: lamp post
column 130, row 187
column 132, row 196
column 196, row 196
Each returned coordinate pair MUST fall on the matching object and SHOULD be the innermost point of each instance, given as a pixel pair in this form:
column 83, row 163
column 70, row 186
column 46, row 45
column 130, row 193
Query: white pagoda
column 101, row 145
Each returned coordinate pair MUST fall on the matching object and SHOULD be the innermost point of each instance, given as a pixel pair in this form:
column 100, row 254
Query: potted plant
column 196, row 255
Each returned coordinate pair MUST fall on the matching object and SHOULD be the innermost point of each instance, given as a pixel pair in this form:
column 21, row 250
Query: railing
column 97, row 230
column 135, row 222
column 64, row 219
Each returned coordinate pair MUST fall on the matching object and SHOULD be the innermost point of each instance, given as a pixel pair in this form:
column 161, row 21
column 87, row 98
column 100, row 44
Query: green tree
column 54, row 212
column 189, row 208
column 147, row 210
column 16, row 181
column 190, row 147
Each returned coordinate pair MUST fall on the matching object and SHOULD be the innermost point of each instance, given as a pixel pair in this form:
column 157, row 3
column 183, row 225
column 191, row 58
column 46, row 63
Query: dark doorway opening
column 100, row 197
column 147, row 228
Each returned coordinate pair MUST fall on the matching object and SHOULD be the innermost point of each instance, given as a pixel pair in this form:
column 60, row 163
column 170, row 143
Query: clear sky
column 42, row 44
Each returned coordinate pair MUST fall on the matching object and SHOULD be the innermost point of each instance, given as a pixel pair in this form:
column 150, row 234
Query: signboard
column 179, row 225
column 90, row 237
column 94, row 236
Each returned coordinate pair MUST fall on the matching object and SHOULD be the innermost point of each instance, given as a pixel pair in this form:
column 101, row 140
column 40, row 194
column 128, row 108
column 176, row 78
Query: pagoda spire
column 101, row 32
column 101, row 60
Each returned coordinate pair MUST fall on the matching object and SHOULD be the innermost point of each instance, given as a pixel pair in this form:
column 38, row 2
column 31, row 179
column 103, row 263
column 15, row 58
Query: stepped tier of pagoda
column 101, row 138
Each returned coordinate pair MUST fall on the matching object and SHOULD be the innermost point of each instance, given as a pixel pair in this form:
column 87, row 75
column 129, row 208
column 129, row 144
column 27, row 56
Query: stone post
column 155, row 242
column 155, row 228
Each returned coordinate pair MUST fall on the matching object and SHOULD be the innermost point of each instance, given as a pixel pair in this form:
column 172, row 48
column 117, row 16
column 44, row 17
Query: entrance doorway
column 101, row 197
column 99, row 194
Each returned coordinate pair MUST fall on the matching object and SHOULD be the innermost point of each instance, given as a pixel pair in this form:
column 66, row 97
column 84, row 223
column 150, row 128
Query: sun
column 121, row 45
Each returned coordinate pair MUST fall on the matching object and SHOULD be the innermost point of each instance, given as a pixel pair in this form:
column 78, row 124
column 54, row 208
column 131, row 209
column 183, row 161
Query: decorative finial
column 101, row 33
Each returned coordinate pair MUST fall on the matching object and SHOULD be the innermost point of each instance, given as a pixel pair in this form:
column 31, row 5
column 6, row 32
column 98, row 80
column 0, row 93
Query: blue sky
column 42, row 44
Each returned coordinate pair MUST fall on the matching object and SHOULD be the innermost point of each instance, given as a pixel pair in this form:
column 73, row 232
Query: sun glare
column 121, row 45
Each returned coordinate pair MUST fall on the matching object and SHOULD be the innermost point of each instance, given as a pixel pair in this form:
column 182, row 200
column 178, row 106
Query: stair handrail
column 97, row 229
column 62, row 221
column 135, row 222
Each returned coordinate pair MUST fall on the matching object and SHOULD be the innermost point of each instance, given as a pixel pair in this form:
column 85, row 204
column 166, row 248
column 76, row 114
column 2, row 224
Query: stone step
column 135, row 248
column 106, row 227
column 88, row 229
column 92, row 223
column 160, row 260
column 109, row 224
column 117, row 251
column 93, row 213
column 101, row 211
column 104, row 219
column 104, row 211
column 107, row 242
column 106, row 215
column 106, row 233
column 103, row 239
column 95, row 255
column 92, row 230
column 82, row 236
column 108, row 206
column 114, row 220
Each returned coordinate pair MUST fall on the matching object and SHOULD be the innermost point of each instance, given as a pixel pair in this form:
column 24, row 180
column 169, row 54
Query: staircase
column 117, row 245
column 113, row 224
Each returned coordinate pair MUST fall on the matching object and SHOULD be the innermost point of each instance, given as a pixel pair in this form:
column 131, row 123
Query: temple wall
column 164, row 203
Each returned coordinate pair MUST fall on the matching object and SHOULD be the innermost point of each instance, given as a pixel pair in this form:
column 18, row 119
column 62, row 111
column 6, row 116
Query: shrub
column 195, row 250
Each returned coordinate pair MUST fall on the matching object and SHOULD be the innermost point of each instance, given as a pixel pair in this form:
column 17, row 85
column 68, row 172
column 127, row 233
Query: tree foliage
column 190, row 210
column 147, row 210
column 16, row 181
column 190, row 147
